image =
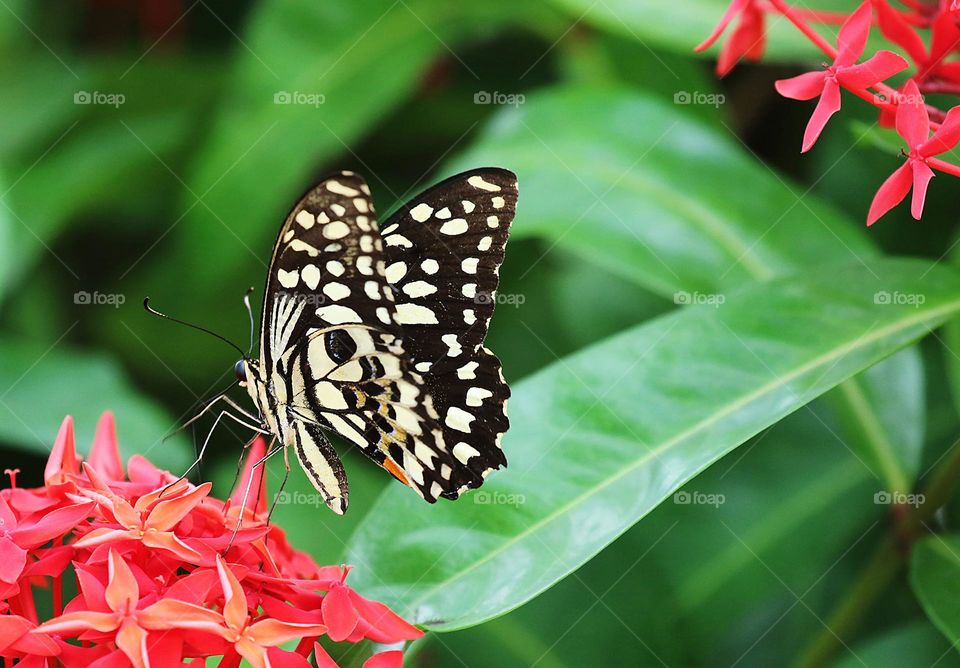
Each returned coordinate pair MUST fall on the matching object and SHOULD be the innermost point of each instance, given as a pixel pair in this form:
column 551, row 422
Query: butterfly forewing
column 339, row 348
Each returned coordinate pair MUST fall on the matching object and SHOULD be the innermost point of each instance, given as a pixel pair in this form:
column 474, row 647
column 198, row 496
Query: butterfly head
column 246, row 371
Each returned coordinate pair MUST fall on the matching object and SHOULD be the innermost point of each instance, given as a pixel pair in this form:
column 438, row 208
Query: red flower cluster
column 906, row 110
column 162, row 574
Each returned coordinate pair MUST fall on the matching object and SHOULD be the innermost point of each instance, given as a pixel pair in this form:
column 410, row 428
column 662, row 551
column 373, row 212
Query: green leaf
column 681, row 26
column 715, row 558
column 602, row 437
column 635, row 185
column 918, row 644
column 655, row 207
column 935, row 578
column 297, row 99
column 40, row 385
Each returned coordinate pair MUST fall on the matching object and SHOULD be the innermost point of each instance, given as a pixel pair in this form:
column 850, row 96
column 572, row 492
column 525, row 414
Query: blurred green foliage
column 680, row 284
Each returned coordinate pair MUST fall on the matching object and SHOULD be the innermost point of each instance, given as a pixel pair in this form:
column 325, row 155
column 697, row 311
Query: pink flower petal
column 921, row 179
column 322, row 659
column 338, row 613
column 105, row 453
column 747, row 41
column 63, row 457
column 882, row 66
column 901, row 33
column 12, row 560
column 123, row 592
column 946, row 137
column 389, row 659
column 853, row 35
column 733, row 9
column 133, row 641
column 913, row 121
column 803, row 87
column 828, row 105
column 51, row 525
column 891, row 193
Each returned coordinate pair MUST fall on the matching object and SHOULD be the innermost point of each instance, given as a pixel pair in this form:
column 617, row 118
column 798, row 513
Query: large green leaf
column 602, row 437
column 655, row 207
column 643, row 189
column 691, row 583
column 935, row 577
column 41, row 384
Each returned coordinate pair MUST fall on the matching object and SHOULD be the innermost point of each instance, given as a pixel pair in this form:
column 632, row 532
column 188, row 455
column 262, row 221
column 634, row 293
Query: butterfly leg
column 286, row 477
column 246, row 492
column 206, row 442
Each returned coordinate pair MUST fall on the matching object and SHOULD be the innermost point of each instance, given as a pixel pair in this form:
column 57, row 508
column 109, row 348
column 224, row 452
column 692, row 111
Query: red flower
column 843, row 72
column 944, row 37
column 913, row 124
column 748, row 39
column 152, row 587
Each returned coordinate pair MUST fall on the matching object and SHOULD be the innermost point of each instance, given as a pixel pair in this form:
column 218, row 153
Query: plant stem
column 885, row 564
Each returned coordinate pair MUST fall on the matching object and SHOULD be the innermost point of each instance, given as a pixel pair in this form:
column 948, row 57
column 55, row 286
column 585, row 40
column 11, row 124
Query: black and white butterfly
column 376, row 334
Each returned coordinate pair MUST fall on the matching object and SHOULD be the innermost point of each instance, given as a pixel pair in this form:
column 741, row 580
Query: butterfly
column 376, row 333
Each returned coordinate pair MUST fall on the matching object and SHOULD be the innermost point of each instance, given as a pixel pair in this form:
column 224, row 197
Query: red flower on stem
column 748, row 39
column 152, row 587
column 843, row 72
column 913, row 124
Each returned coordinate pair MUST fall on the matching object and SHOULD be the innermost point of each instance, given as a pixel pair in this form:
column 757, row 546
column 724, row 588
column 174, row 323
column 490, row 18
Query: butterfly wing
column 443, row 251
column 334, row 349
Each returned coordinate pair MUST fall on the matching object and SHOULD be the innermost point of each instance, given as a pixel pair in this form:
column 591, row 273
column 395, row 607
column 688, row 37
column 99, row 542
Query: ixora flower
column 748, row 39
column 163, row 576
column 913, row 124
column 844, row 72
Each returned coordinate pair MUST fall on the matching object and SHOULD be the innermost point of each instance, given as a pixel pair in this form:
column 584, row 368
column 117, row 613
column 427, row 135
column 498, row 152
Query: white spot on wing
column 455, row 226
column 311, row 276
column 430, row 266
column 459, row 419
column 415, row 314
column 469, row 265
column 338, row 315
column 336, row 291
column 340, row 189
column 336, row 230
column 453, row 346
column 476, row 395
column 421, row 212
column 305, row 219
column 419, row 289
column 478, row 182
column 288, row 279
column 396, row 271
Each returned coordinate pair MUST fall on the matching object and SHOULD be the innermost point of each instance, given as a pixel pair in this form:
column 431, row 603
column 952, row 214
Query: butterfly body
column 376, row 334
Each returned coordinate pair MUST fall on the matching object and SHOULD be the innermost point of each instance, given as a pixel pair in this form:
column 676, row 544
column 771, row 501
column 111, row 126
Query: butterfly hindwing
column 443, row 251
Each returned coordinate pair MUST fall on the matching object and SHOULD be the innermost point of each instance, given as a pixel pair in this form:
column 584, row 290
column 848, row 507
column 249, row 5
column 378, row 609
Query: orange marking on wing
column 395, row 471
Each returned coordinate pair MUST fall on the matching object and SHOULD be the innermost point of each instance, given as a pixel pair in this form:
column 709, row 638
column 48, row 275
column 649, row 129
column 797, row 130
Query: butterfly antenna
column 153, row 311
column 246, row 302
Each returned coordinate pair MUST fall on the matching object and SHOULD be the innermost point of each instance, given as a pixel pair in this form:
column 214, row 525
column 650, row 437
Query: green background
column 720, row 375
